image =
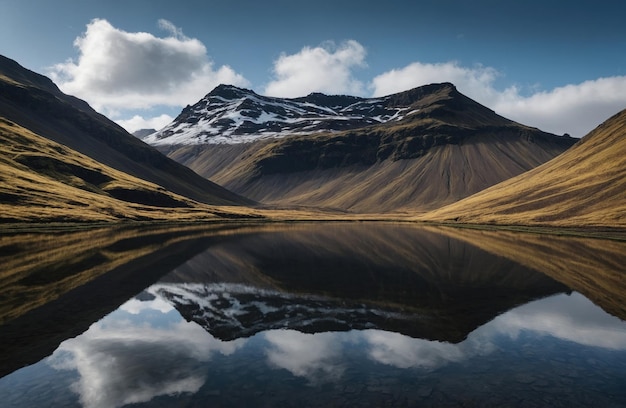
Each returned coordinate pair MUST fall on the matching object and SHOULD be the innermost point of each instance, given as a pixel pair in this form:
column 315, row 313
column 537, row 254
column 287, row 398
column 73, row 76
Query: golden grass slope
column 34, row 102
column 583, row 187
column 44, row 181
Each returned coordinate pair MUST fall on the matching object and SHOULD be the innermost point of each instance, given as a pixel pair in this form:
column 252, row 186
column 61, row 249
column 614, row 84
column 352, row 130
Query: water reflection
column 342, row 277
column 315, row 357
column 348, row 315
column 572, row 318
column 53, row 285
column 593, row 267
column 147, row 353
column 401, row 351
column 142, row 351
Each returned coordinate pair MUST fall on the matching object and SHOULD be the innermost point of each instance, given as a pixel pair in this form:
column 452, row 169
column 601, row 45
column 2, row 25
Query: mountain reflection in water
column 343, row 315
column 342, row 277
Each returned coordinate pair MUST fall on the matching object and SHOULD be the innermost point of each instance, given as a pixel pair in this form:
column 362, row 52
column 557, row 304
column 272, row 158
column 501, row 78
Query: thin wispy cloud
column 174, row 31
column 326, row 68
column 116, row 69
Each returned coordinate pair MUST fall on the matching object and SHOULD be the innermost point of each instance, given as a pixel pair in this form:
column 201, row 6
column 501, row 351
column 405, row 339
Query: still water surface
column 351, row 315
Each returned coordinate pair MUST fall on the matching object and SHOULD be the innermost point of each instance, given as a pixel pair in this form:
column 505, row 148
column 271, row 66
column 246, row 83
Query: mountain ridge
column 35, row 103
column 444, row 147
column 229, row 114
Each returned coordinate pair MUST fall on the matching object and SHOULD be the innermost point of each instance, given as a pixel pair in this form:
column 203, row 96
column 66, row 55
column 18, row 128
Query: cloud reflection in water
column 313, row 356
column 145, row 349
column 404, row 352
column 567, row 317
column 120, row 362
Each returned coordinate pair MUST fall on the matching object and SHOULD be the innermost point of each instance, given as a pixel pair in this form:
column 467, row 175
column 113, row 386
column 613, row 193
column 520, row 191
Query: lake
column 333, row 314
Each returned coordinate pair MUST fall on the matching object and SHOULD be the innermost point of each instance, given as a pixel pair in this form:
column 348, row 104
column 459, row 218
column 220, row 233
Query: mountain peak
column 230, row 92
column 420, row 93
column 232, row 115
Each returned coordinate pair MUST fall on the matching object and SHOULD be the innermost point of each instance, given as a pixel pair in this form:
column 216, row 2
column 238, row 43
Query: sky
column 559, row 66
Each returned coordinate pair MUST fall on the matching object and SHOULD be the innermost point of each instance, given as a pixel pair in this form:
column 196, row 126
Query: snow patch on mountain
column 232, row 115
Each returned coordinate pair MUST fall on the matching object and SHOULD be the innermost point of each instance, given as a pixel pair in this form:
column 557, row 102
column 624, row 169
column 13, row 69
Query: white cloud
column 572, row 318
column 138, row 122
column 574, row 109
column 402, row 351
column 326, row 68
column 119, row 70
column 476, row 80
column 313, row 356
column 120, row 362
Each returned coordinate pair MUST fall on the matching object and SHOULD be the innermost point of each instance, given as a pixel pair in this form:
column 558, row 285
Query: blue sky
column 548, row 64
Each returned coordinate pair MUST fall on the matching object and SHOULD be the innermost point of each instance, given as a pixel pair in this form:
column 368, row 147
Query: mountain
column 415, row 150
column 35, row 111
column 45, row 181
column 141, row 133
column 233, row 115
column 585, row 186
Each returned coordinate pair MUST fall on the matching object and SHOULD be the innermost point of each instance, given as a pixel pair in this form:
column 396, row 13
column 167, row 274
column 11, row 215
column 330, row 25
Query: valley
column 411, row 232
column 312, row 204
column 429, row 154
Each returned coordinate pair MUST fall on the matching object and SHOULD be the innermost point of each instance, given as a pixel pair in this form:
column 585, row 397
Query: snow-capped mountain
column 418, row 149
column 233, row 115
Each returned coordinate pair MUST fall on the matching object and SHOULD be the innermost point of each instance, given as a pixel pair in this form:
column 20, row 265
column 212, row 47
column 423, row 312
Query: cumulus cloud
column 574, row 109
column 326, row 68
column 118, row 70
column 477, row 80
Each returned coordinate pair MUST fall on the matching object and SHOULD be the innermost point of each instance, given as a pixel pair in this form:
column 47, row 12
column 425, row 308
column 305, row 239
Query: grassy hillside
column 33, row 102
column 44, row 181
column 586, row 186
